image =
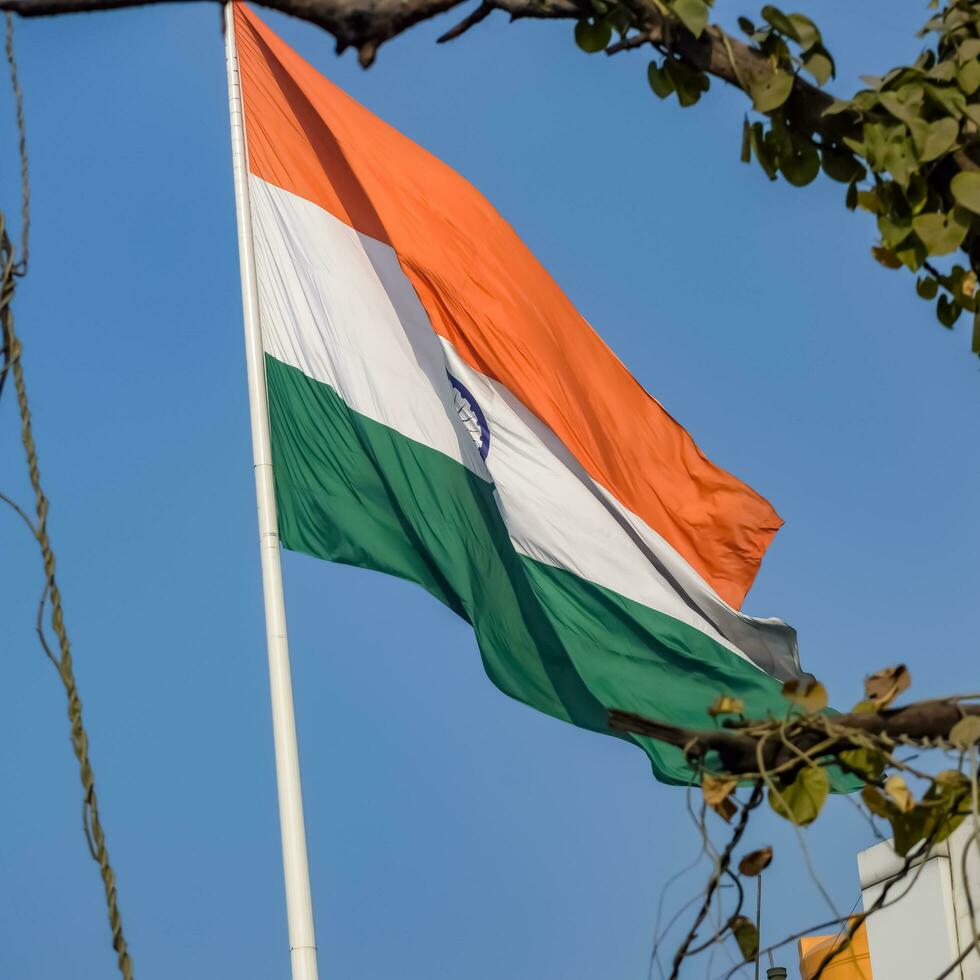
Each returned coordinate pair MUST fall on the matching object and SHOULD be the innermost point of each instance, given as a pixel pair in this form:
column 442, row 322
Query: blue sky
column 452, row 832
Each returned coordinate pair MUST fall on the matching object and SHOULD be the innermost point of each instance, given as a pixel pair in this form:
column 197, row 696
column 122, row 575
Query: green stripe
column 352, row 490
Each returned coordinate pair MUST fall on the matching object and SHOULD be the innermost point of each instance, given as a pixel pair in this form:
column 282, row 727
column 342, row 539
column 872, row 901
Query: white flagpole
column 299, row 905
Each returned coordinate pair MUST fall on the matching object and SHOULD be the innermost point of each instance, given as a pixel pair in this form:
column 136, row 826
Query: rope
column 9, row 270
column 25, row 184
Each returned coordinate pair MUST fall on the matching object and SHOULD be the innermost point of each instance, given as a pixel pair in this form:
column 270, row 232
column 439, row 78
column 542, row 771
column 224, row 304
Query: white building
column 926, row 924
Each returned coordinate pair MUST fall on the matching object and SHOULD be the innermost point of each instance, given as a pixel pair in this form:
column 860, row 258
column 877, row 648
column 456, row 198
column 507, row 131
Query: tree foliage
column 906, row 147
column 794, row 759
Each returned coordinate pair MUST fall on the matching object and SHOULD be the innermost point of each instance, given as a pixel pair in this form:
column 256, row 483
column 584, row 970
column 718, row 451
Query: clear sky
column 453, row 833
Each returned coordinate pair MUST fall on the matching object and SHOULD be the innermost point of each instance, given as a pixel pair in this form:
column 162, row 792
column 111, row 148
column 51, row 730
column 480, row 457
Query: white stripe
column 557, row 514
column 336, row 305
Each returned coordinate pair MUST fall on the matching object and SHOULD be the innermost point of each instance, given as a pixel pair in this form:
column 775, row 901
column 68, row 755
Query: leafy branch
column 794, row 759
column 907, row 146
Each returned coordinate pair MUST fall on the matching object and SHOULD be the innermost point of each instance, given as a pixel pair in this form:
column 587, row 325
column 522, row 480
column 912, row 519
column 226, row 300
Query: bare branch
column 367, row 24
column 470, row 20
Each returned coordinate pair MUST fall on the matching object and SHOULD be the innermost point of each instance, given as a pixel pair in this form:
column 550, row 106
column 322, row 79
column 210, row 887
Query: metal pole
column 758, row 924
column 299, row 905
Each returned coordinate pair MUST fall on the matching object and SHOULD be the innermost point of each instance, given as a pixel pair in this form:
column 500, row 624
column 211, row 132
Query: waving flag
column 440, row 411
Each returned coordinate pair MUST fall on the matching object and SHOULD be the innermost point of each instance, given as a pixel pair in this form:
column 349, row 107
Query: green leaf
column 940, row 233
column 912, row 253
column 950, row 100
column 972, row 112
column 900, row 76
column 778, row 20
column 968, row 50
column 802, row 164
column 746, row 154
column 927, row 287
column 802, row 800
column 818, row 62
column 936, row 816
column 775, row 48
column 917, row 196
column 619, row 19
column 893, row 229
column 945, row 71
column 659, row 81
column 592, row 35
column 688, row 83
column 771, row 92
column 806, row 31
column 693, row 14
column 837, row 106
column 875, row 801
column 898, row 158
column 909, row 828
column 873, row 146
column 763, row 151
column 781, row 138
column 864, row 101
column 951, row 797
column 968, row 77
column 864, row 708
column 746, row 26
column 954, row 17
column 947, row 312
column 939, row 138
column 966, row 189
column 746, row 935
column 842, row 166
column 851, row 198
column 898, row 107
column 869, row 764
column 869, row 201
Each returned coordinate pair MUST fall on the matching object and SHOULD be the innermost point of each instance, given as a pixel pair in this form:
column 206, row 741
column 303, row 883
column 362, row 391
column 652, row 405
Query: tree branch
column 367, row 24
column 921, row 722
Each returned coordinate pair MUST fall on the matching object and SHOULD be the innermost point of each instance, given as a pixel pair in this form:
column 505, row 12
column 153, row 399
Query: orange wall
column 854, row 963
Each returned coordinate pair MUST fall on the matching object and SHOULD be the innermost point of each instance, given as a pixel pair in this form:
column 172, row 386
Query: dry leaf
column 887, row 684
column 755, row 863
column 725, row 704
column 716, row 788
column 810, row 695
column 726, row 809
column 901, row 795
column 717, row 794
column 965, row 732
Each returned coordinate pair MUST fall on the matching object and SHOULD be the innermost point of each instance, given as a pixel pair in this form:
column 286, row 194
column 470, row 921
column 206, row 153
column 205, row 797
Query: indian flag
column 441, row 412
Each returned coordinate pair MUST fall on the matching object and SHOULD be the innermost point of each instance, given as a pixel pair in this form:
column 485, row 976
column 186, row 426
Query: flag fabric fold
column 440, row 411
